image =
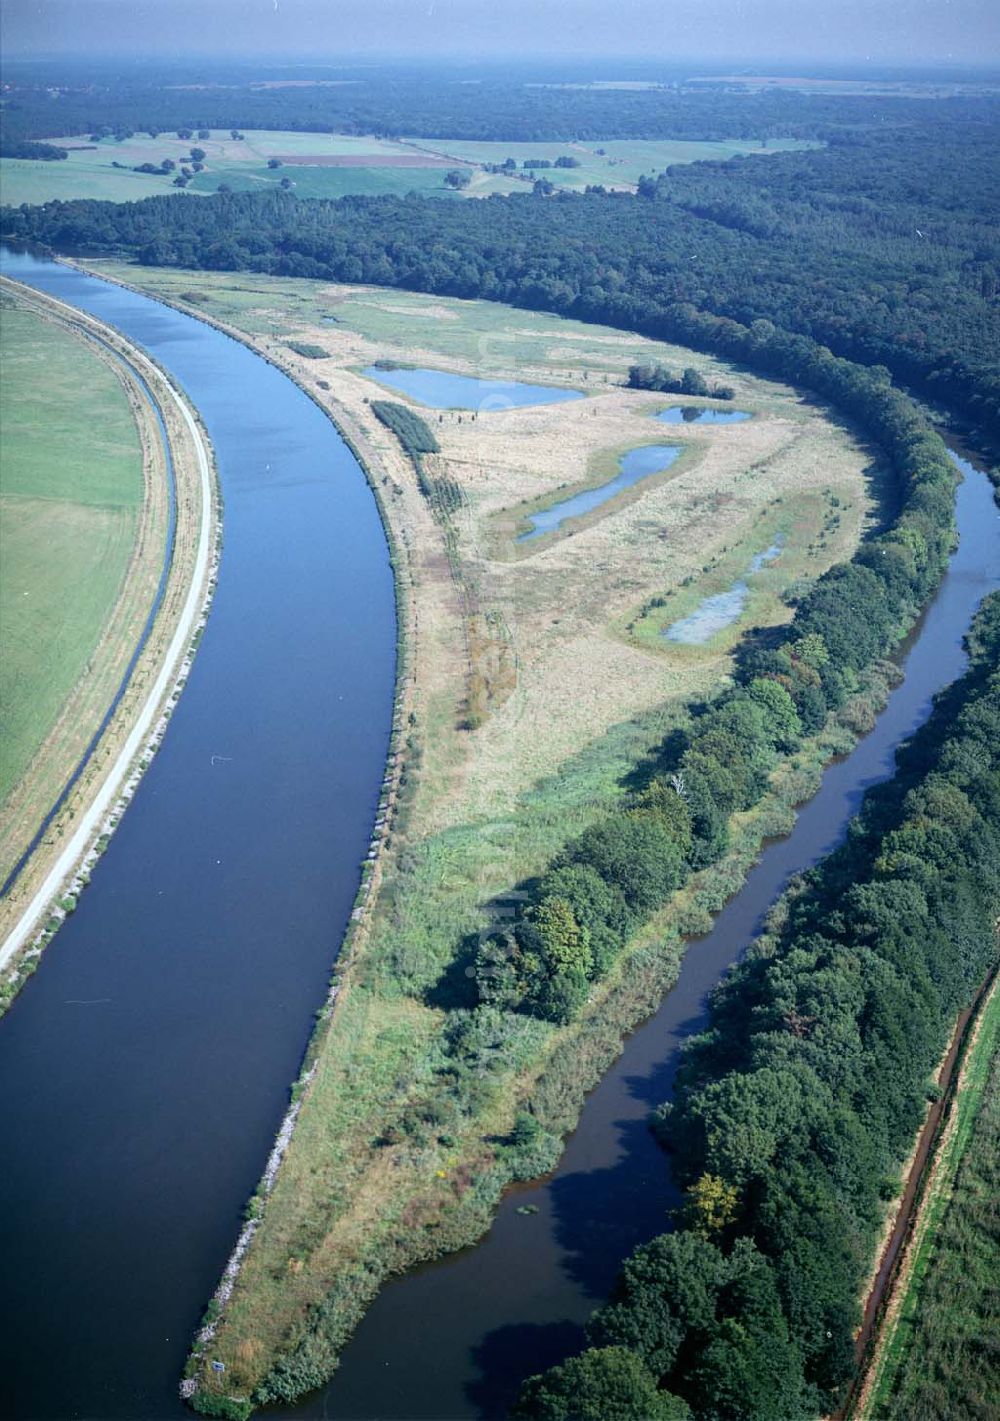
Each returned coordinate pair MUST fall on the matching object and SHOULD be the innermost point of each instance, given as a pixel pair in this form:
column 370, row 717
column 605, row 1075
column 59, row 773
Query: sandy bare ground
column 55, row 863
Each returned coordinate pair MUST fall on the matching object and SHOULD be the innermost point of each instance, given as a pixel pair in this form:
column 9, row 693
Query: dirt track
column 910, row 1204
column 364, row 160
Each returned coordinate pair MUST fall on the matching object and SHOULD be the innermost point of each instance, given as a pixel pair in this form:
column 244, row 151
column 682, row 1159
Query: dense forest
column 882, row 248
column 793, row 1111
column 415, row 102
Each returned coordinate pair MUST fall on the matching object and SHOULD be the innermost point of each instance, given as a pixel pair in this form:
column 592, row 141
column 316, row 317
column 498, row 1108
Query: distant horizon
column 607, row 69
column 751, row 34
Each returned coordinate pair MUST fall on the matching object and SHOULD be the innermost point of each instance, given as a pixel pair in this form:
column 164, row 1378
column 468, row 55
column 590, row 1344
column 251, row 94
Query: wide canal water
column 146, row 1065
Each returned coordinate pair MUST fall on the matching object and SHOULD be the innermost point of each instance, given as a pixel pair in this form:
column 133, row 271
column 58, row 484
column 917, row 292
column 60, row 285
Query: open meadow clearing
column 614, row 163
column 74, row 542
column 336, row 165
column 315, row 164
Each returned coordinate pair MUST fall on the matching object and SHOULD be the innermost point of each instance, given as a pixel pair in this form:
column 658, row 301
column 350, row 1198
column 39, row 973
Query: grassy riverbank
column 84, row 515
column 400, row 1154
column 33, row 908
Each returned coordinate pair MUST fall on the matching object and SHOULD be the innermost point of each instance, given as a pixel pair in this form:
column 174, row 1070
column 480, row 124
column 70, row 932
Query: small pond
column 441, row 390
column 722, row 610
column 635, row 465
column 694, row 414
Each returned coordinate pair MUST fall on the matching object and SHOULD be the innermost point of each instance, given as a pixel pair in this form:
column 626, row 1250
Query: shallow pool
column 694, row 414
column 721, row 610
column 441, row 390
column 635, row 465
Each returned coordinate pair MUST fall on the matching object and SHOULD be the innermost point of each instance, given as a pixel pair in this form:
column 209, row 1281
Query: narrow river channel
column 455, row 1339
column 146, row 1065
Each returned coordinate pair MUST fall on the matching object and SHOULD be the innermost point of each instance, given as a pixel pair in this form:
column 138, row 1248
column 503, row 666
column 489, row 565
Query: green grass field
column 615, row 163
column 89, row 171
column 23, row 180
column 939, row 1360
column 805, row 523
column 71, row 489
column 483, row 335
column 330, row 182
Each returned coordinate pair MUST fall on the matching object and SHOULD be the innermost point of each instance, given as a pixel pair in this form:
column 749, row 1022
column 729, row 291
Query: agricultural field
column 315, row 164
column 933, row 1360
column 72, row 514
column 531, row 699
column 616, row 163
column 332, row 165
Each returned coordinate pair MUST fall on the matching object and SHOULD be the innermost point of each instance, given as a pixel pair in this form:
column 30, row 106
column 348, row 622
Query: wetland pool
column 694, row 414
column 716, row 613
column 637, row 464
column 442, row 390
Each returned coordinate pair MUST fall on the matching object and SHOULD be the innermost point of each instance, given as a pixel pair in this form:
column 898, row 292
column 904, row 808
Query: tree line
column 882, row 249
column 425, row 102
column 793, row 1112
column 25, row 148
column 691, row 382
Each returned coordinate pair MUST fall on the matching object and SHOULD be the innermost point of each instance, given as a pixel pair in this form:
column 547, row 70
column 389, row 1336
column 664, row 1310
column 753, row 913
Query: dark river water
column 145, row 1067
column 455, row 1338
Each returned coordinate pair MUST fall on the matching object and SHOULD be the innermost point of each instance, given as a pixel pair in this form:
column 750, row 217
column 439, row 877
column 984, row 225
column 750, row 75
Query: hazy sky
column 729, row 31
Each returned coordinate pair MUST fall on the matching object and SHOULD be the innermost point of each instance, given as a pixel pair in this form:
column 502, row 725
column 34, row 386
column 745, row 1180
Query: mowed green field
column 71, row 490
column 330, row 182
column 88, row 172
column 615, row 163
column 345, row 165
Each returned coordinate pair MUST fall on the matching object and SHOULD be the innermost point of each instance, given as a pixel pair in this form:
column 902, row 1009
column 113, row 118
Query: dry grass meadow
column 552, row 663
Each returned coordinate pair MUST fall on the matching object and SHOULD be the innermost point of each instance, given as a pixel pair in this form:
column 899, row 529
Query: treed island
column 656, row 572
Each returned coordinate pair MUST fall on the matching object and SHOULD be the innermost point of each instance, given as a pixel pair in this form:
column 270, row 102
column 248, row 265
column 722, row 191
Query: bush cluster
column 692, row 382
